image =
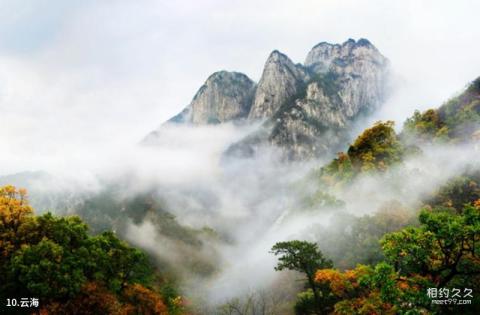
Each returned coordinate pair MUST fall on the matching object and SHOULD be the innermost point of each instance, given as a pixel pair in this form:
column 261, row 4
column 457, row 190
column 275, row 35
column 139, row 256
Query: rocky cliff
column 225, row 96
column 306, row 109
column 336, row 85
column 281, row 79
column 360, row 71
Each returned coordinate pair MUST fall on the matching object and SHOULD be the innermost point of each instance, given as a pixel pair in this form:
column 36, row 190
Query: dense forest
column 239, row 157
column 394, row 260
column 69, row 271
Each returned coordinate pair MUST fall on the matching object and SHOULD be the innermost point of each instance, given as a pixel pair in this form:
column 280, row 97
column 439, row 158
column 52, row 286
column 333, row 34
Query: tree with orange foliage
column 376, row 149
column 92, row 299
column 441, row 253
column 14, row 211
column 367, row 290
column 476, row 204
column 141, row 300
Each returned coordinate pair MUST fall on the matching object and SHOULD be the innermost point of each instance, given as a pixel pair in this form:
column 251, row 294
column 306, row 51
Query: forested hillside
column 400, row 258
column 68, row 270
column 241, row 204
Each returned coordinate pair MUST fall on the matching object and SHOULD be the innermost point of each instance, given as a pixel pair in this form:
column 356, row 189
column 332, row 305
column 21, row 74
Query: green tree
column 454, row 121
column 425, row 126
column 304, row 257
column 116, row 264
column 457, row 192
column 59, row 255
column 376, row 148
column 56, row 260
column 46, row 270
column 441, row 253
column 444, row 247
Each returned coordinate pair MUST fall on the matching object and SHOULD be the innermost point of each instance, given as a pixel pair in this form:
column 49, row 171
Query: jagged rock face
column 312, row 125
column 307, row 109
column 225, row 96
column 281, row 79
column 360, row 70
column 339, row 83
column 324, row 107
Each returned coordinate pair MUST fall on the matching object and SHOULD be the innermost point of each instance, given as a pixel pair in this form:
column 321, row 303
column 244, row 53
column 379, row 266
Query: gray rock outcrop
column 306, row 109
column 337, row 84
column 281, row 80
column 225, row 96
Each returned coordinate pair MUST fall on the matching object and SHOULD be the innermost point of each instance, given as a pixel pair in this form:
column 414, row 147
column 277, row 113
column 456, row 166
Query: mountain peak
column 277, row 55
column 324, row 45
column 310, row 108
column 324, row 54
column 364, row 42
column 348, row 42
column 225, row 96
column 280, row 80
column 306, row 108
column 226, row 75
column 360, row 42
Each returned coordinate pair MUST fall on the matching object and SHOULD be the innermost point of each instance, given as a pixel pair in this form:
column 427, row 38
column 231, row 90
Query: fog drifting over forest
column 81, row 84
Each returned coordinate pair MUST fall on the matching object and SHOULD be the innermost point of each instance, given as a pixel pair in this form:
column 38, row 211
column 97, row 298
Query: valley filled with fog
column 205, row 169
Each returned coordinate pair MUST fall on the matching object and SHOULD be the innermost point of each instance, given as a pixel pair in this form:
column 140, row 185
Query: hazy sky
column 76, row 76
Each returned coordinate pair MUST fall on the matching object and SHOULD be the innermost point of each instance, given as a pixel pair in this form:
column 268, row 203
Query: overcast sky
column 79, row 75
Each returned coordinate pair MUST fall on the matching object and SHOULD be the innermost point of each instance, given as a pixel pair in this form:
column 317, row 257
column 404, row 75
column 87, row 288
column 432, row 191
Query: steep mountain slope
column 359, row 69
column 225, row 96
column 281, row 79
column 379, row 148
column 458, row 120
